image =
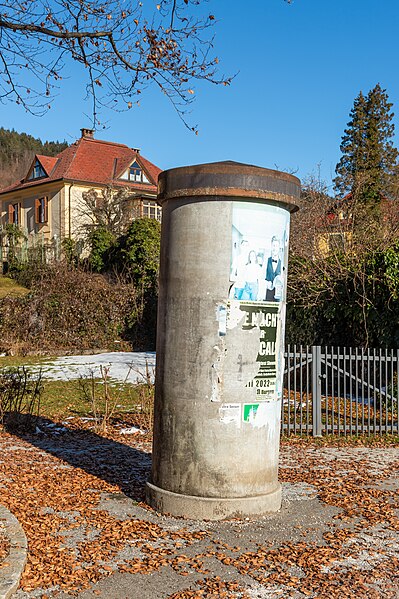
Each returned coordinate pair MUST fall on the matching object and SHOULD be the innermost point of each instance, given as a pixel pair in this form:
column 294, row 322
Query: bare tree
column 122, row 47
column 111, row 210
column 336, row 249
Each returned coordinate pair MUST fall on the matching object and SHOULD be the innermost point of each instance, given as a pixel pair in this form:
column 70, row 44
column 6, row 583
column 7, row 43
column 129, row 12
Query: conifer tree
column 368, row 154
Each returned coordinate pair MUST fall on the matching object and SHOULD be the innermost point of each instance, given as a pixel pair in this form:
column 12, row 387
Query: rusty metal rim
column 230, row 166
column 285, row 201
column 229, row 180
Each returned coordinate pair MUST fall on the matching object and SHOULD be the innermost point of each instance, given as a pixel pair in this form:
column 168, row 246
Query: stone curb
column 14, row 563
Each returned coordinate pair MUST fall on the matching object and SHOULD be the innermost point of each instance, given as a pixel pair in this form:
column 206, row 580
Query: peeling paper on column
column 230, row 413
column 221, row 317
column 254, row 330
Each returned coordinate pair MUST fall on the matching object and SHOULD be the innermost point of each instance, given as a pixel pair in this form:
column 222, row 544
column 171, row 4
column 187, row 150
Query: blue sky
column 299, row 67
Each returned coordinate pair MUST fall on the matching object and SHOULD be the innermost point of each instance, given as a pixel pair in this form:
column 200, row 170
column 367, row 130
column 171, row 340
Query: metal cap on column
column 220, row 339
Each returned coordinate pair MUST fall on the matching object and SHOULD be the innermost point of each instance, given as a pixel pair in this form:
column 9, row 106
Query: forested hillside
column 17, row 151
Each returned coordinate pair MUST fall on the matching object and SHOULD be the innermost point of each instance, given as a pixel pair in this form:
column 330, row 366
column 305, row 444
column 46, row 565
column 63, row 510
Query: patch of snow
column 133, row 430
column 124, row 367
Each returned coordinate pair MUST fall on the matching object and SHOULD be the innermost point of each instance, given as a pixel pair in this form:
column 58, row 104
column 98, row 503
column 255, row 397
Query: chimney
column 88, row 133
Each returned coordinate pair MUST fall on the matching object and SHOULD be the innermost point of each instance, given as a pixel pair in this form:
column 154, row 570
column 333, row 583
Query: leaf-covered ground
column 79, row 498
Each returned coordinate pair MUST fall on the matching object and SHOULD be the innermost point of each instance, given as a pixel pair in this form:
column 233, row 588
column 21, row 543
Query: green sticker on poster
column 249, row 412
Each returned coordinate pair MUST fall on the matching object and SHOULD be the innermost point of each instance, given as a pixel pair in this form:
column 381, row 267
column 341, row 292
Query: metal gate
column 341, row 391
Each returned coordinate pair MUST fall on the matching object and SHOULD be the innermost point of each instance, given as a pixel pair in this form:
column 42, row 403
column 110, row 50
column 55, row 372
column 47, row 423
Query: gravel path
column 4, row 545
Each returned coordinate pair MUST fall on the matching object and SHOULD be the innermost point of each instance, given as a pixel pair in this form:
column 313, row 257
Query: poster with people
column 258, row 281
column 259, row 252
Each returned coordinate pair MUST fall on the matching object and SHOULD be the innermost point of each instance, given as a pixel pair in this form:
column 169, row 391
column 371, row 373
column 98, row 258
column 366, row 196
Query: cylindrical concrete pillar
column 220, row 339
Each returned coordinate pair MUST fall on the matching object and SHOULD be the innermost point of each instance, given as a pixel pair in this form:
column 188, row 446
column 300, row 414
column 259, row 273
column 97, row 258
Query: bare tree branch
column 123, row 48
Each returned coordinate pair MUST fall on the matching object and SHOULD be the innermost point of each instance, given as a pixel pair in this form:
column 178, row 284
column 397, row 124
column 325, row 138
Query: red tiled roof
column 93, row 161
column 47, row 162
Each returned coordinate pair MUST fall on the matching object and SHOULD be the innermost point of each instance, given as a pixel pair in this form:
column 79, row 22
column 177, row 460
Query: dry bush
column 99, row 398
column 330, row 239
column 343, row 275
column 145, row 404
column 105, row 400
column 67, row 310
column 20, row 395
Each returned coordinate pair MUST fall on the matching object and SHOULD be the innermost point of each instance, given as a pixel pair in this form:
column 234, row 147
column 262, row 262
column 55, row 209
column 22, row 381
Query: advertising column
column 220, row 340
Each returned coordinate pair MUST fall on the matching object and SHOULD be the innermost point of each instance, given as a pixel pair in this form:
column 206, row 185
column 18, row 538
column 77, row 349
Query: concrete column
column 220, row 340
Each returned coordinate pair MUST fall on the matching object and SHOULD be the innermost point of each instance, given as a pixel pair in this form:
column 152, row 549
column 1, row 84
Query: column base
column 212, row 508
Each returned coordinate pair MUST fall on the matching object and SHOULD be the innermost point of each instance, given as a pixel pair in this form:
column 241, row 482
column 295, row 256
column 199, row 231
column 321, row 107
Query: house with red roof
column 46, row 201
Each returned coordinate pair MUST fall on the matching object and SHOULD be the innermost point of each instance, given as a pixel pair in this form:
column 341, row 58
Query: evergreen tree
column 368, row 154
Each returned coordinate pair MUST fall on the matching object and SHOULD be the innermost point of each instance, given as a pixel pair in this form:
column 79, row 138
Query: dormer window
column 37, row 171
column 135, row 174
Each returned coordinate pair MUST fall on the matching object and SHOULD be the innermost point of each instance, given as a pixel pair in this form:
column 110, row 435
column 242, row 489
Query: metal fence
column 32, row 247
column 341, row 391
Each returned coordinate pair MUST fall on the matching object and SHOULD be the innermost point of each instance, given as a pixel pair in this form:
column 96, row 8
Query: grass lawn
column 9, row 287
column 13, row 361
column 80, row 397
column 62, row 399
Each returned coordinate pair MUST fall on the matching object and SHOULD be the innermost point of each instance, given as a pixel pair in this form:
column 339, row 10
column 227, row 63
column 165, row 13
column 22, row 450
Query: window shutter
column 10, row 213
column 37, row 211
column 41, row 210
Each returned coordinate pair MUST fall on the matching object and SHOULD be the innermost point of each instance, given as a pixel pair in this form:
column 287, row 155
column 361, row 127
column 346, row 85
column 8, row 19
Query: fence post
column 316, row 390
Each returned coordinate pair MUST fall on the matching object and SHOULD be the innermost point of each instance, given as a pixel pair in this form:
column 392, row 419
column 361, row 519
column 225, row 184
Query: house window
column 41, row 210
column 135, row 173
column 14, row 214
column 37, row 171
column 151, row 209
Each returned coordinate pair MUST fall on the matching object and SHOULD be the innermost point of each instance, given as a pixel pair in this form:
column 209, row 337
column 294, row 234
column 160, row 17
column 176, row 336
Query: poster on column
column 258, row 277
column 259, row 252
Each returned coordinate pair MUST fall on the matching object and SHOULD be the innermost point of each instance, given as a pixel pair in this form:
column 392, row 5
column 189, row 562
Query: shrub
column 20, row 395
column 101, row 243
column 67, row 309
column 137, row 253
column 136, row 258
column 99, row 398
